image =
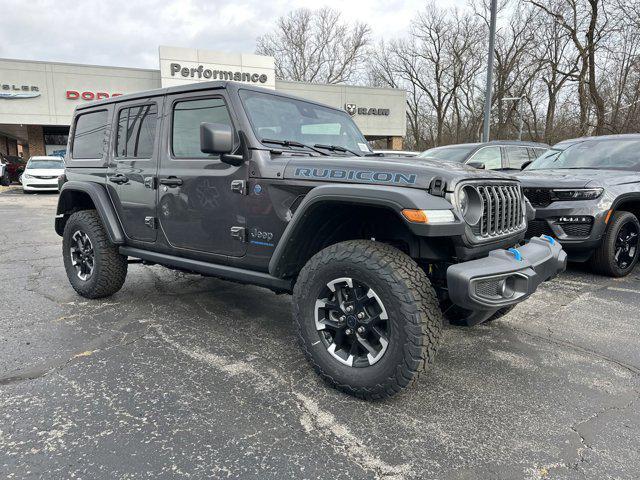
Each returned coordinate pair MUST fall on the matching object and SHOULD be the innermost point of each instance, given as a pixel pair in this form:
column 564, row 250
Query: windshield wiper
column 337, row 148
column 292, row 143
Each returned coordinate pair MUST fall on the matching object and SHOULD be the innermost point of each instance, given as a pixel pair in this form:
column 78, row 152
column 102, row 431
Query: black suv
column 495, row 155
column 262, row 188
column 586, row 192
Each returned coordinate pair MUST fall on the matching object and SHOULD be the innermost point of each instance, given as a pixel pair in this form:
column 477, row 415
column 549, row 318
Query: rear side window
column 88, row 138
column 489, row 156
column 136, row 131
column 517, row 156
column 187, row 117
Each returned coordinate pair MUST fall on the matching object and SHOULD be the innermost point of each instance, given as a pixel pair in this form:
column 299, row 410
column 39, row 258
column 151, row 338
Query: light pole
column 520, row 117
column 489, row 86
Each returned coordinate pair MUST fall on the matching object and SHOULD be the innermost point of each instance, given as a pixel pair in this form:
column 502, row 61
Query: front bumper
column 585, row 235
column 505, row 277
column 37, row 185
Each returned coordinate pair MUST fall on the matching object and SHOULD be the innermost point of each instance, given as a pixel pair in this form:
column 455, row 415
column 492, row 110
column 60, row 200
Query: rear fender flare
column 101, row 202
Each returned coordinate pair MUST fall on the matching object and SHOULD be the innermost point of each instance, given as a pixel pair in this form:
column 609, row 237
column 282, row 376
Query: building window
column 88, row 137
column 136, row 131
column 187, row 117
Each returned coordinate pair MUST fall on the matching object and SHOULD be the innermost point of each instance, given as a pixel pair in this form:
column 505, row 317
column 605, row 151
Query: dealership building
column 37, row 99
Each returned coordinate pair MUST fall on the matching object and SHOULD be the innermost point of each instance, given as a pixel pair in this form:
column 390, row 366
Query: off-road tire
column 415, row 319
column 603, row 259
column 110, row 268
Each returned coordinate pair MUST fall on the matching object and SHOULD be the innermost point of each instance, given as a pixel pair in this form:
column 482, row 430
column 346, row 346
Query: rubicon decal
column 358, row 175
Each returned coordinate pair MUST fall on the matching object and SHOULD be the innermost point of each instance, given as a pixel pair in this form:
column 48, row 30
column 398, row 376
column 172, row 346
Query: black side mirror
column 526, row 164
column 478, row 165
column 217, row 139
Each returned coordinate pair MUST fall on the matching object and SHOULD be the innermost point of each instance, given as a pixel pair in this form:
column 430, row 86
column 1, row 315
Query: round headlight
column 470, row 204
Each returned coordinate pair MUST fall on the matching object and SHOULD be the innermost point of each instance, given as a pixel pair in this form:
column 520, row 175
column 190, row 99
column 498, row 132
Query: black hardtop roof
column 194, row 87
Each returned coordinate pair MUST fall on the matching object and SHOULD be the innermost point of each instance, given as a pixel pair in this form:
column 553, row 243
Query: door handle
column 118, row 178
column 171, row 181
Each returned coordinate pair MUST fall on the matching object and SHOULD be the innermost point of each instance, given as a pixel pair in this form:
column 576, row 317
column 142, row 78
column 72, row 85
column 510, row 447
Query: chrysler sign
column 13, row 91
column 201, row 72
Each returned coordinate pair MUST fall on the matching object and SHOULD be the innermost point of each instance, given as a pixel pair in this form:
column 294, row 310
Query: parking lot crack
column 585, row 351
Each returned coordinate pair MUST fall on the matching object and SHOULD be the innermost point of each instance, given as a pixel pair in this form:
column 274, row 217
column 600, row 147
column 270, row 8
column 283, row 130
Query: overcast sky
column 127, row 32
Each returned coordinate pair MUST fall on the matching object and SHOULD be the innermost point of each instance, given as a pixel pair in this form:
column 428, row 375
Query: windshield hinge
column 437, row 187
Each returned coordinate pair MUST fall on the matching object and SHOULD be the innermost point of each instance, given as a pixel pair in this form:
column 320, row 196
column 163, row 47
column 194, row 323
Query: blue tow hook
column 549, row 239
column 516, row 254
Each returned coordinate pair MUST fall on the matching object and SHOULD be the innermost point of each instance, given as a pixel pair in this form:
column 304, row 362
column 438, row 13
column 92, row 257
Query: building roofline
column 45, row 62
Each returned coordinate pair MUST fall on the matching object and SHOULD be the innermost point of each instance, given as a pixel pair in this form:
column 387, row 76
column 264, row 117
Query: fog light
column 506, row 287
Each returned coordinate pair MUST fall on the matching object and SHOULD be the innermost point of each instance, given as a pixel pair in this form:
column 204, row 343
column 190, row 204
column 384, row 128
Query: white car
column 41, row 174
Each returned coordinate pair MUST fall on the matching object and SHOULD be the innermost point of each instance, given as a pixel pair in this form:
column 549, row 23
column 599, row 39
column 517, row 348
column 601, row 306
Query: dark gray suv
column 495, row 155
column 586, row 193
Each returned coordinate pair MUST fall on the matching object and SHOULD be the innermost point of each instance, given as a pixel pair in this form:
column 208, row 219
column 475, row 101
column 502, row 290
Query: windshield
column 46, row 164
column 452, row 154
column 597, row 154
column 285, row 119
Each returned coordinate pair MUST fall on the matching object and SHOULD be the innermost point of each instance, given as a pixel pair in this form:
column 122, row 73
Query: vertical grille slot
column 502, row 212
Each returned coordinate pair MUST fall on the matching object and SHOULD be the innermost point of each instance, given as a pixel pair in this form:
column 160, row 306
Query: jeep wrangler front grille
column 502, row 211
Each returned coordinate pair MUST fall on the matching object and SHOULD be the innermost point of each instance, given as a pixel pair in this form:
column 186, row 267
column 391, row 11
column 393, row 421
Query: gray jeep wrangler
column 253, row 186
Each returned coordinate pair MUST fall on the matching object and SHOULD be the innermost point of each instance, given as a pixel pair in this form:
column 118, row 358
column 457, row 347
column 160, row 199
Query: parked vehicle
column 41, row 174
column 4, row 172
column 13, row 166
column 586, row 192
column 495, row 155
column 262, row 188
column 395, row 153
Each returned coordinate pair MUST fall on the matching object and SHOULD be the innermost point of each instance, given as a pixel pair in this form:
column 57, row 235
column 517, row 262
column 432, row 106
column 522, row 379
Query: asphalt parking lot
column 179, row 376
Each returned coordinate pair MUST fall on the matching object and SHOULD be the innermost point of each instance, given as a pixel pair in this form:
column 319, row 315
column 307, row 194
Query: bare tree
column 316, row 46
column 586, row 24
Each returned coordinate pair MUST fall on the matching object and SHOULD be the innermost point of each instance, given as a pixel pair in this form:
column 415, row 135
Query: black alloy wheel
column 619, row 251
column 352, row 322
column 626, row 246
column 82, row 255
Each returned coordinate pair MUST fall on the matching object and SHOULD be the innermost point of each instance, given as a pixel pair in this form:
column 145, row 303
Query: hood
column 576, row 178
column 411, row 172
column 44, row 172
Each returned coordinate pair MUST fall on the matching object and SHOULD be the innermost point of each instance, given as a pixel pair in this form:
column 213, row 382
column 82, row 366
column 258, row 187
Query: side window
column 187, row 117
column 537, row 152
column 517, row 156
column 136, row 131
column 489, row 156
column 88, row 137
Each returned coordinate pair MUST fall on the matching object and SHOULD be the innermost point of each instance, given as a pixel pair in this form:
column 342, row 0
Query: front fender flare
column 102, row 203
column 393, row 198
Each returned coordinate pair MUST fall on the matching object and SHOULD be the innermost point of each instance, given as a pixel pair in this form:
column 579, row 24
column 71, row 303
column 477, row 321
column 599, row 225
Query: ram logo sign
column 351, row 108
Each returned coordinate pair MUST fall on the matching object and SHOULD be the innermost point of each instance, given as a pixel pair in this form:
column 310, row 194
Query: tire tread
column 417, row 298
